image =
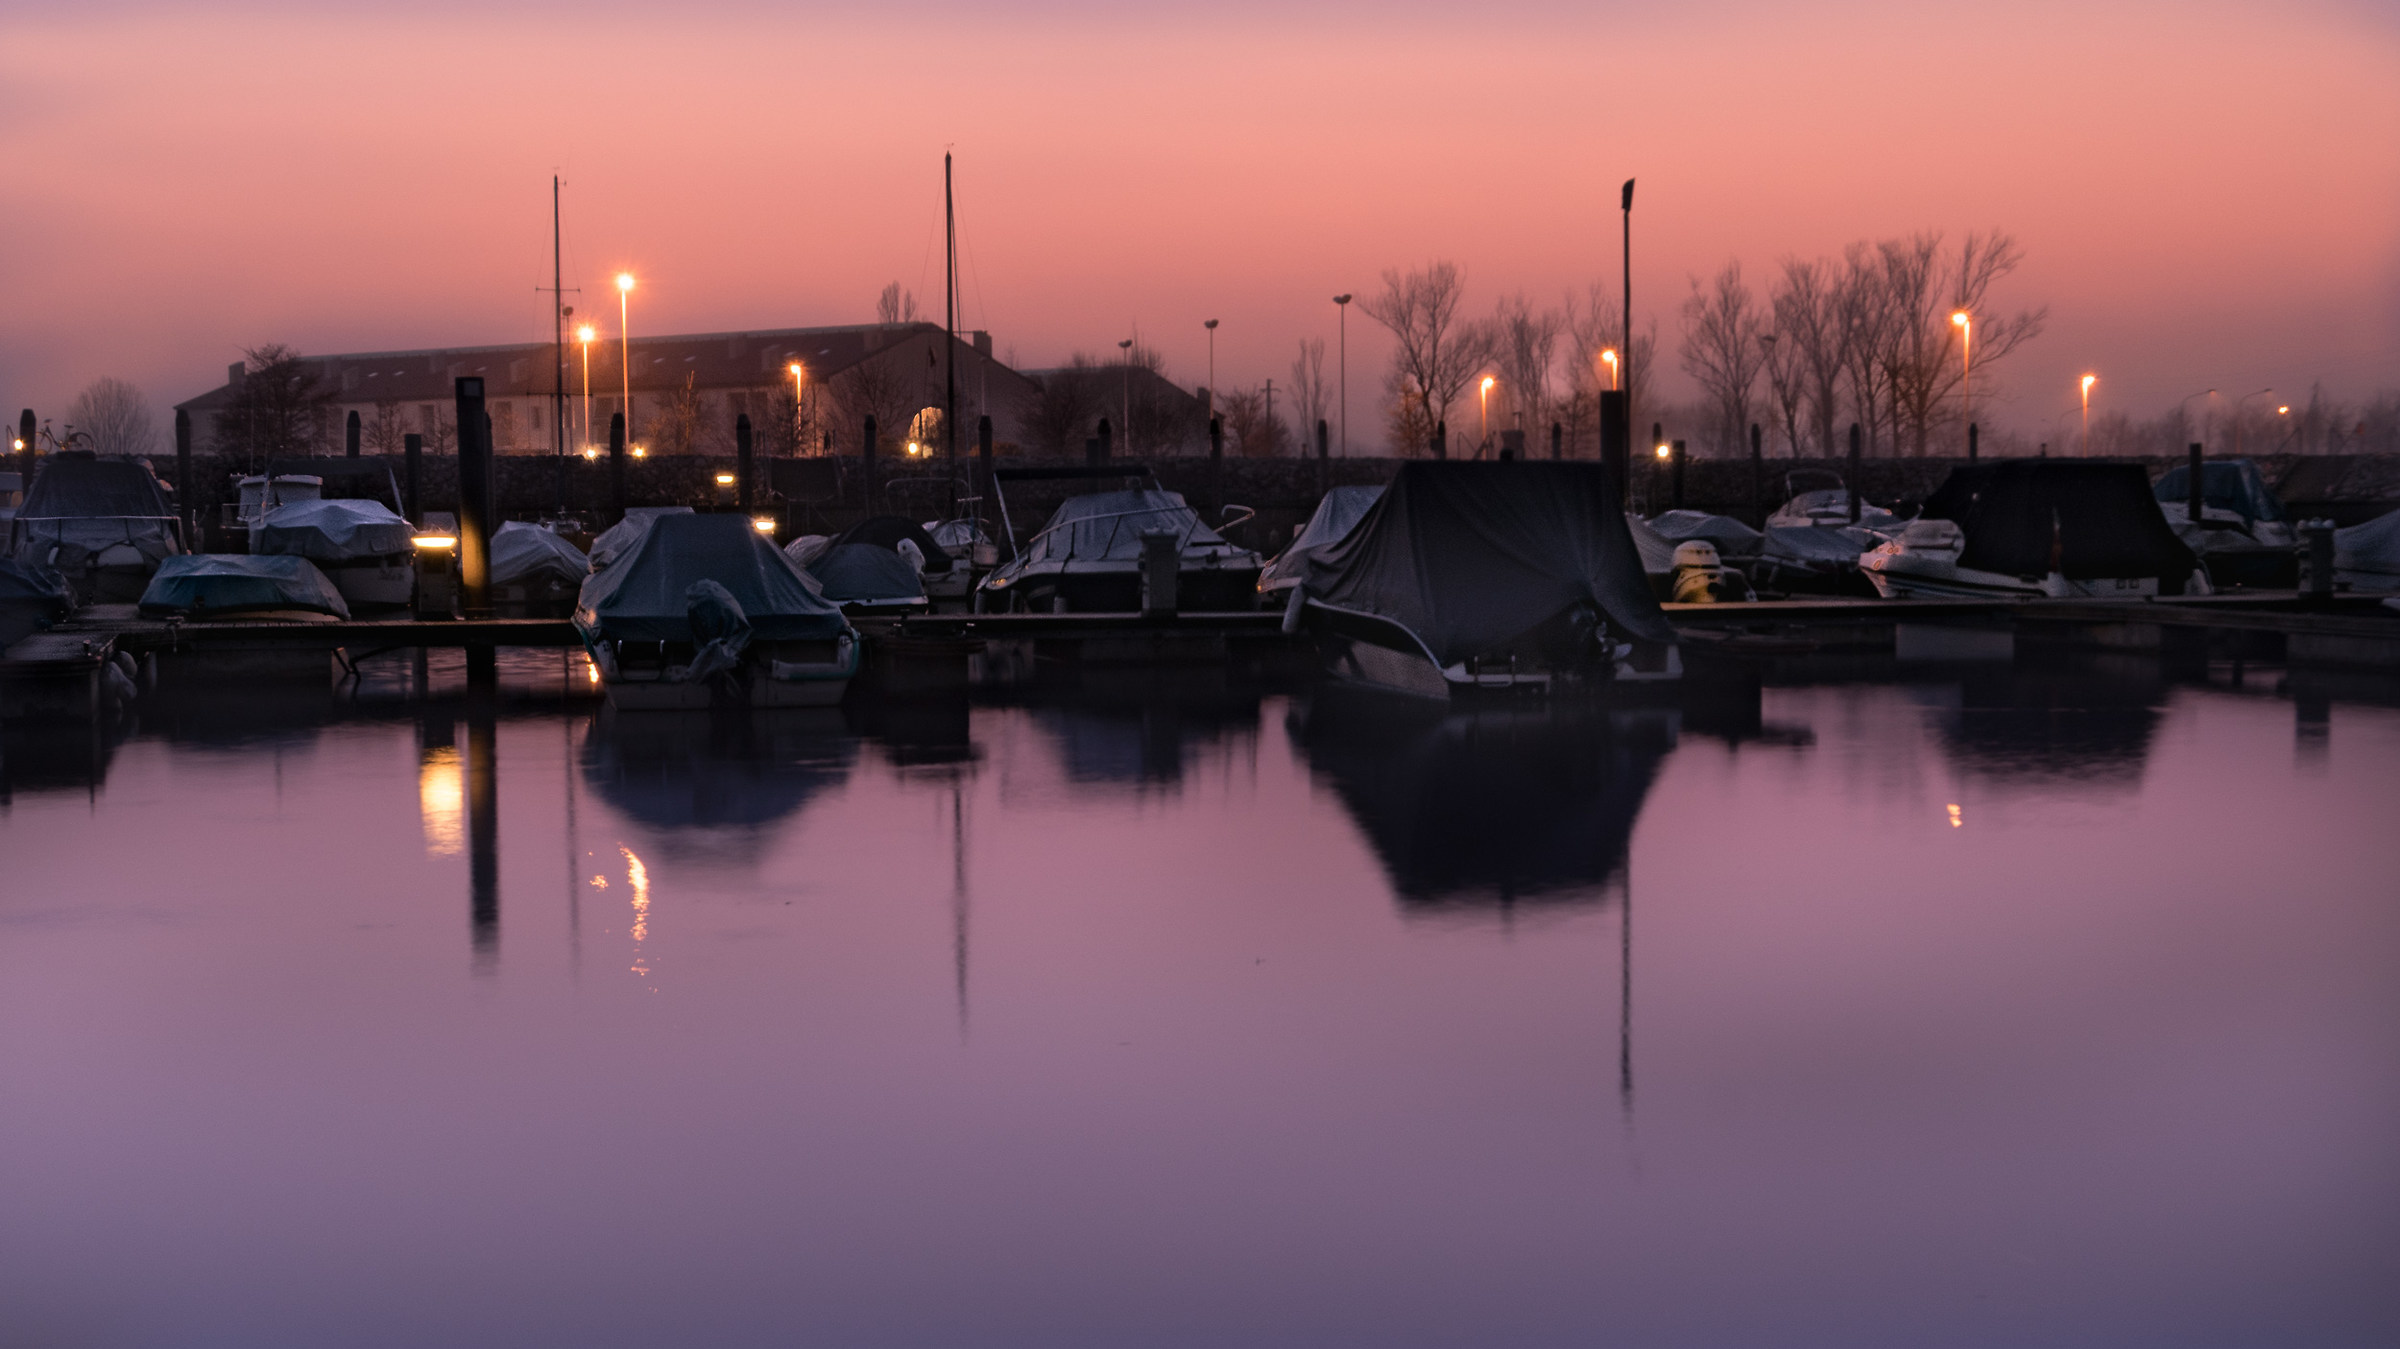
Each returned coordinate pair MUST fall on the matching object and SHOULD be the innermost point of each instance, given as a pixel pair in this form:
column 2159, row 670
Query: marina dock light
column 434, row 541
column 764, row 524
column 1665, row 450
column 724, row 480
column 437, row 574
column 641, row 451
column 1609, row 357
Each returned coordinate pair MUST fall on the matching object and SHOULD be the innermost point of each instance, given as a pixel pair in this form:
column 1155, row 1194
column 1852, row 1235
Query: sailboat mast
column 558, row 351
column 950, row 334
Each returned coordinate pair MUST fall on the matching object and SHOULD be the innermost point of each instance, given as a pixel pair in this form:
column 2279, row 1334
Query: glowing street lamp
column 799, row 376
column 625, row 338
column 584, row 335
column 1609, row 359
column 2088, row 382
column 1965, row 323
column 1484, row 396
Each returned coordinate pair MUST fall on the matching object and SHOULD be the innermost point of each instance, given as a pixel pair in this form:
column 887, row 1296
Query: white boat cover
column 644, row 595
column 1334, row 518
column 856, row 573
column 1816, row 547
column 1468, row 555
column 957, row 535
column 1108, row 527
column 807, row 548
column 525, row 554
column 333, row 531
column 619, row 539
column 2368, row 555
column 1656, row 550
column 1731, row 537
column 199, row 585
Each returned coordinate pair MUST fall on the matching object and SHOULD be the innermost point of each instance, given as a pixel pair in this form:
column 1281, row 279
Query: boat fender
column 1291, row 610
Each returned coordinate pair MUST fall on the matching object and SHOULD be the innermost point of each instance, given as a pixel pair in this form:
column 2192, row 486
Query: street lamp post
column 799, row 376
column 1211, row 325
column 2088, row 382
column 1126, row 346
column 625, row 347
column 1966, row 364
column 2187, row 402
column 1341, row 309
column 2237, row 416
column 1483, row 394
column 583, row 337
column 1608, row 358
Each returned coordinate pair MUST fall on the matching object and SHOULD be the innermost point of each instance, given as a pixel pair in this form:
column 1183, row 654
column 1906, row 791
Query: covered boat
column 533, row 566
column 620, row 538
column 1730, row 537
column 216, row 585
column 703, row 610
column 1502, row 576
column 940, row 573
column 31, row 598
column 1818, row 496
column 866, row 579
column 2029, row 528
column 363, row 547
column 1088, row 559
column 1816, row 559
column 103, row 524
column 2242, row 537
column 2367, row 557
column 1334, row 518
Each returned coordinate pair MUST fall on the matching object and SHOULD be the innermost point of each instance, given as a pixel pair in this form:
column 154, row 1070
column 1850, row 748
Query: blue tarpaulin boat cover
column 201, row 585
column 1468, row 556
column 643, row 596
column 851, row 573
column 333, row 531
column 1334, row 518
column 524, row 554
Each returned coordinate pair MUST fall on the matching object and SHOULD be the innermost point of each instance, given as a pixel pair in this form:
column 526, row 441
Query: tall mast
column 950, row 334
column 558, row 350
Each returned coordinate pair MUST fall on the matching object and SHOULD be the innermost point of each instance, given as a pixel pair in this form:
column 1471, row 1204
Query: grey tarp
column 31, row 597
column 198, row 585
column 852, row 573
column 619, row 539
column 886, row 531
column 2229, row 485
column 2092, row 520
column 1731, row 536
column 2368, row 555
column 1108, row 526
column 525, row 554
column 93, row 504
column 1471, row 555
column 1334, row 518
column 1656, row 551
column 333, row 531
column 642, row 597
column 1816, row 547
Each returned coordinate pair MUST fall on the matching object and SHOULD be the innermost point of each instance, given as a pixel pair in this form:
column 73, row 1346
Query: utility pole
column 1341, row 309
column 558, row 350
column 1126, row 347
column 1628, row 208
column 950, row 336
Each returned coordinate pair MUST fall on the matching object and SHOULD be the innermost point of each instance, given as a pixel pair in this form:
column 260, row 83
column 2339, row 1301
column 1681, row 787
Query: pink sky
column 2207, row 194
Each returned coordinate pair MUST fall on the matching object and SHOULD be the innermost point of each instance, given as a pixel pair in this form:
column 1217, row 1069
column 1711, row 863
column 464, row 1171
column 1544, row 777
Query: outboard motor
column 1701, row 577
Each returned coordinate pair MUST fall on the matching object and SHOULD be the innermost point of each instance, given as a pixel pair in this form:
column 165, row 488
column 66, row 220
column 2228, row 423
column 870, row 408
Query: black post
column 1626, row 355
column 1974, row 435
column 866, row 467
column 474, row 501
column 25, row 431
column 1758, row 472
column 741, row 462
column 1558, row 441
column 616, row 466
column 185, row 500
column 1441, row 440
column 412, row 457
column 2195, row 495
column 350, row 436
column 1616, row 439
column 983, row 451
column 1678, row 476
column 1216, row 462
column 1324, row 457
column 1854, row 453
column 1106, row 434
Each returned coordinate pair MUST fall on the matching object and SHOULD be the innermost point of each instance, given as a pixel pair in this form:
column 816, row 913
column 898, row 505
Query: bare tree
column 681, row 422
column 1066, row 406
column 874, row 388
column 383, row 434
column 113, row 413
column 895, row 305
column 1310, row 396
column 1925, row 289
column 1721, row 350
column 1787, row 385
column 1527, row 342
column 1254, row 434
column 1865, row 320
column 277, row 409
column 1808, row 325
column 1437, row 354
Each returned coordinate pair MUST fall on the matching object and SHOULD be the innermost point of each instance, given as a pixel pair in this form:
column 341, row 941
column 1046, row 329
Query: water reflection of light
column 1955, row 822
column 442, row 800
column 638, row 876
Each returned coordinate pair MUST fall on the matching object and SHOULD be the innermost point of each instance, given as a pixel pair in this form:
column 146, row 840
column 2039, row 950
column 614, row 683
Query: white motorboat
column 1819, row 497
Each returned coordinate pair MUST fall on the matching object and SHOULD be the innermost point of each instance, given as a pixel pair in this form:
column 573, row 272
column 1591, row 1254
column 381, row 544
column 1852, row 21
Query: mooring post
column 1106, row 434
column 1677, row 476
column 474, row 502
column 412, row 463
column 185, row 499
column 1324, row 458
column 1758, row 473
column 741, row 462
column 1558, row 441
column 1162, row 560
column 1974, row 435
column 1441, row 440
column 1616, row 441
column 2194, row 493
column 616, row 467
column 1216, row 463
column 2320, row 559
column 1854, row 454
column 25, row 433
column 350, row 436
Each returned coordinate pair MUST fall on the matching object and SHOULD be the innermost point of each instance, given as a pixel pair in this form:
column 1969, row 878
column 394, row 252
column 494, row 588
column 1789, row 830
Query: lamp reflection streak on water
column 442, row 801
column 638, row 876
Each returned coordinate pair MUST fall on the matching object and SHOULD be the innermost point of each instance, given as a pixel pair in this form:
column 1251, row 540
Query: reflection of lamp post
column 1966, row 364
column 625, row 338
column 1483, row 394
column 1341, row 308
column 799, row 373
column 2088, row 382
column 583, row 336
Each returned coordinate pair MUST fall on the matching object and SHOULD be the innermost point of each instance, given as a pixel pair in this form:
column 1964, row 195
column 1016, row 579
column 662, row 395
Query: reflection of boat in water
column 703, row 610
column 2064, row 722
column 1503, row 577
column 701, row 771
column 2035, row 528
column 1497, row 805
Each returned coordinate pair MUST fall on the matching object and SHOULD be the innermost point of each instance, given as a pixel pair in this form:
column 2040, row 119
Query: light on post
column 1609, row 359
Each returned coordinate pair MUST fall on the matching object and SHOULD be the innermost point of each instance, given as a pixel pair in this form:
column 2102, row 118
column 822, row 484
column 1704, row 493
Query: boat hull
column 1371, row 651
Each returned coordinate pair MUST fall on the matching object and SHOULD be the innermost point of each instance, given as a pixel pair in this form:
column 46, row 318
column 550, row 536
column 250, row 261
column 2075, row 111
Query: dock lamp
column 1609, row 358
column 725, row 489
column 799, row 374
column 437, row 575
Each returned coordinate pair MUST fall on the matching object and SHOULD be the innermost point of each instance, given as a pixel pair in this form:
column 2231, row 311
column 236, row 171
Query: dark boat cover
column 643, row 595
column 2100, row 520
column 619, row 539
column 886, row 532
column 94, row 503
column 1817, row 547
column 31, row 597
column 1108, row 527
column 2230, row 485
column 1335, row 517
column 527, row 554
column 1471, row 555
column 333, row 531
column 852, row 573
column 1731, row 537
column 201, row 585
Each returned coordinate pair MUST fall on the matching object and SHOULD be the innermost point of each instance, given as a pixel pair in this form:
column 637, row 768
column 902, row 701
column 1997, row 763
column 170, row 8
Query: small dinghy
column 1332, row 521
column 221, row 585
column 1502, row 577
column 361, row 546
column 703, row 611
column 103, row 524
column 2033, row 529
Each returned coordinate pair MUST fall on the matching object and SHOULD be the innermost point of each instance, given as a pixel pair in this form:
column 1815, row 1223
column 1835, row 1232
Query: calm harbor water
column 2007, row 1006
